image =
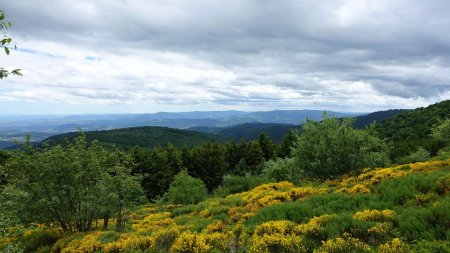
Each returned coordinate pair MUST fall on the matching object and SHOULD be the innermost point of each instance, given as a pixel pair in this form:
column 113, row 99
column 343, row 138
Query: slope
column 140, row 136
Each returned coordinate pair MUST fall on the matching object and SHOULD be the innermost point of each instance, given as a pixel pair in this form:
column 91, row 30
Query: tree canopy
column 330, row 148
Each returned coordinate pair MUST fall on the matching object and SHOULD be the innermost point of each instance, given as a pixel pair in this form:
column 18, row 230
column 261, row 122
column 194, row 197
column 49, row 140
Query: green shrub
column 186, row 190
column 421, row 155
column 109, row 236
column 282, row 170
column 331, row 147
column 414, row 223
column 38, row 239
column 431, row 247
column 399, row 191
column 302, row 211
column 235, row 184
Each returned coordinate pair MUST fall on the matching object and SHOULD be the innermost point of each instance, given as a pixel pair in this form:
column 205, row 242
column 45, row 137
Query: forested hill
column 414, row 124
column 411, row 129
column 251, row 131
column 365, row 120
column 139, row 136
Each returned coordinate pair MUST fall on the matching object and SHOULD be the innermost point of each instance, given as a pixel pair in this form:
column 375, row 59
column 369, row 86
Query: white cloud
column 345, row 55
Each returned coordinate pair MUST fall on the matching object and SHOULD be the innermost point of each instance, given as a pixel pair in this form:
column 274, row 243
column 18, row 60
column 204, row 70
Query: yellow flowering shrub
column 375, row 215
column 153, row 222
column 221, row 241
column 277, row 236
column 164, row 238
column 216, row 227
column 189, row 242
column 128, row 242
column 379, row 230
column 343, row 244
column 395, row 246
column 87, row 244
column 358, row 188
column 314, row 226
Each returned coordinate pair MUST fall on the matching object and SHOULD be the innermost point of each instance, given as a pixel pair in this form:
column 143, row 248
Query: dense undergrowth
column 395, row 209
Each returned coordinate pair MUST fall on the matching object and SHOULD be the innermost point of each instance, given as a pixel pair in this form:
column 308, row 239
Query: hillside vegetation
column 138, row 136
column 327, row 188
column 411, row 129
column 393, row 209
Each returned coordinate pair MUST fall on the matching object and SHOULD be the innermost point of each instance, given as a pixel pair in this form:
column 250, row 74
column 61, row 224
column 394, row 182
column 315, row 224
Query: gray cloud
column 345, row 54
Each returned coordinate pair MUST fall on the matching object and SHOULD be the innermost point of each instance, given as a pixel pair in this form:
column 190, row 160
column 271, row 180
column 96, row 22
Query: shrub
column 395, row 246
column 431, row 246
column 186, row 190
column 277, row 236
column 189, row 242
column 38, row 239
column 236, row 184
column 330, row 148
column 421, row 155
column 345, row 244
column 282, row 170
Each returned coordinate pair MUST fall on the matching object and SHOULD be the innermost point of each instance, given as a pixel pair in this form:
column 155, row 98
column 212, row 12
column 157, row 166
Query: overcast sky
column 105, row 56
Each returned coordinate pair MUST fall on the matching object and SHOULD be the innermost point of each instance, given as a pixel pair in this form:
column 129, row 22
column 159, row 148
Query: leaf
column 17, row 72
column 6, row 50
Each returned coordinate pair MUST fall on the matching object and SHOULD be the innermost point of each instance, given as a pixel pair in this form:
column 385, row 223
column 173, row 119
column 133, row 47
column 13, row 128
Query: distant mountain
column 250, row 131
column 41, row 127
column 140, row 136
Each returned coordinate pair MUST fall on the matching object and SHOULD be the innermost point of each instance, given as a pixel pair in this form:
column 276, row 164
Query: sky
column 143, row 56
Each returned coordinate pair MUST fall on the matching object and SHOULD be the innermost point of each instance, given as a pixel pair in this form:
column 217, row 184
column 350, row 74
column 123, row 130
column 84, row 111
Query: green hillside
column 411, row 129
column 138, row 136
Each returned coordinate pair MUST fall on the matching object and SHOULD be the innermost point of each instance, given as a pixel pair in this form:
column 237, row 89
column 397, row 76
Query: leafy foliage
column 405, row 210
column 99, row 184
column 332, row 148
column 412, row 129
column 186, row 190
column 5, row 43
column 137, row 136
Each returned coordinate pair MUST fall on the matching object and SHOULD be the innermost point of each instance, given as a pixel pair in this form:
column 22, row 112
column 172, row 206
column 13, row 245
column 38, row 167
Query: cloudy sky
column 105, row 56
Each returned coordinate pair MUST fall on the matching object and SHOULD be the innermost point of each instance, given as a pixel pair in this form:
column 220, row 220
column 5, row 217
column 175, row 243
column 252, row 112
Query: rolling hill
column 139, row 136
column 43, row 126
column 411, row 129
column 250, row 131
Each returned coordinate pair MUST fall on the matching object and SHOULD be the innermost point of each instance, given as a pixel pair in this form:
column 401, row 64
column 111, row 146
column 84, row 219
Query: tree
column 267, row 146
column 208, row 163
column 441, row 132
column 120, row 191
column 330, row 148
column 287, row 144
column 186, row 189
column 73, row 185
column 6, row 43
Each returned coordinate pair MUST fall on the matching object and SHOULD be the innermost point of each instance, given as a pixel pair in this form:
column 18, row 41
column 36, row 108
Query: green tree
column 6, row 43
column 287, row 144
column 268, row 147
column 441, row 132
column 68, row 185
column 120, row 191
column 330, row 148
column 186, row 189
column 208, row 163
column 157, row 168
